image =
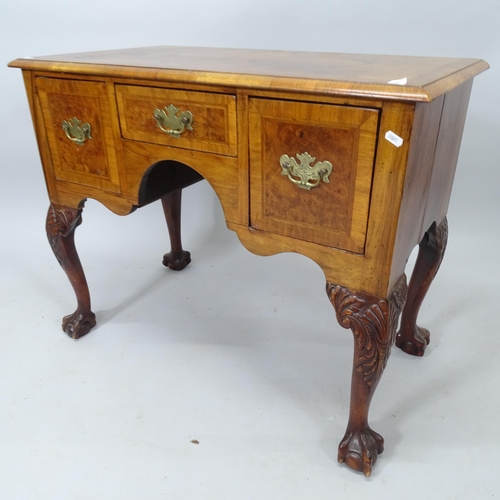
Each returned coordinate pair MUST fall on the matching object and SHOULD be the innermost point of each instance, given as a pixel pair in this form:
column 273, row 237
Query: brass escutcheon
column 172, row 123
column 303, row 174
column 77, row 131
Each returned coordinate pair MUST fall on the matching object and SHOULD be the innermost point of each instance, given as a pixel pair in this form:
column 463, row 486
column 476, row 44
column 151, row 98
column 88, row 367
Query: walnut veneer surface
column 348, row 159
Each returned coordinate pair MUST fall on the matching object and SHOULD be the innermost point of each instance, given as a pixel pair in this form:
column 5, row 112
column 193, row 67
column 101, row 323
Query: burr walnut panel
column 335, row 212
column 214, row 118
column 93, row 162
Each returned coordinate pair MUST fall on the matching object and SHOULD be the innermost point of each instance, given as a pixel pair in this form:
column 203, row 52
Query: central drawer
column 201, row 121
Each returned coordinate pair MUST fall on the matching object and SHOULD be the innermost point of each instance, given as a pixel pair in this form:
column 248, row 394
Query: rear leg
column 177, row 259
column 411, row 338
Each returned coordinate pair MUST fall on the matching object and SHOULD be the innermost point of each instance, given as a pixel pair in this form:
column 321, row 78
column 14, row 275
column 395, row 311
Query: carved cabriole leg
column 61, row 224
column 177, row 259
column 411, row 338
column 373, row 322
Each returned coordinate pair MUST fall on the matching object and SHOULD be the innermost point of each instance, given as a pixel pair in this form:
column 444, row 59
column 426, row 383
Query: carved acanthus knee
column 61, row 223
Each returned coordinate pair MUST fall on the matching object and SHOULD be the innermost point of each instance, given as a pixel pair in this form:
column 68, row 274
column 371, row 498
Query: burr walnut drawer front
column 311, row 170
column 77, row 120
column 200, row 121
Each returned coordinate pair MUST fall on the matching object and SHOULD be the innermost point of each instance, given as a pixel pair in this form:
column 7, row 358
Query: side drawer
column 158, row 116
column 77, row 121
column 311, row 170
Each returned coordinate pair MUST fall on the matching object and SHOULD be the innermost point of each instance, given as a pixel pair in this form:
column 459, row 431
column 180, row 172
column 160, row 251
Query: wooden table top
column 379, row 76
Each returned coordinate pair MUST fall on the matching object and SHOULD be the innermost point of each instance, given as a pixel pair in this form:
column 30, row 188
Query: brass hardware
column 77, row 131
column 302, row 173
column 171, row 123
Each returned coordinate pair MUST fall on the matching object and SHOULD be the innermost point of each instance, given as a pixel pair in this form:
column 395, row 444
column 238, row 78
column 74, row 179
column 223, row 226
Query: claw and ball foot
column 61, row 224
column 176, row 262
column 359, row 449
column 177, row 259
column 373, row 321
column 79, row 323
column 411, row 338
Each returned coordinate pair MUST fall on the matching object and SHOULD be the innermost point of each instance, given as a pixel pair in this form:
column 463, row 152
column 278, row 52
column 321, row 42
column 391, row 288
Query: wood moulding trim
column 104, row 77
column 217, row 89
column 251, row 81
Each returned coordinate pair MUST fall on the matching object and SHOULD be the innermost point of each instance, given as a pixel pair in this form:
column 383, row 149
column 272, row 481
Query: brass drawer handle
column 302, row 173
column 172, row 123
column 77, row 131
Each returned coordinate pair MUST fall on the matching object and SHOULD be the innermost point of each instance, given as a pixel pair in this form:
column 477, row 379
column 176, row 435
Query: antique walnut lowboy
column 347, row 159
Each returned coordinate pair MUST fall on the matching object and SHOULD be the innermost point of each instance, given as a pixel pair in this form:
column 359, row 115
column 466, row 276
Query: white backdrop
column 429, row 28
column 456, row 28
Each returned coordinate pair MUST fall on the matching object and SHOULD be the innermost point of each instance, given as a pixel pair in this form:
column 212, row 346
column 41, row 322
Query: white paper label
column 401, row 81
column 394, row 138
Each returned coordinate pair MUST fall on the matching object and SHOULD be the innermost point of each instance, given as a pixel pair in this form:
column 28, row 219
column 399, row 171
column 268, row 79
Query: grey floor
column 242, row 354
